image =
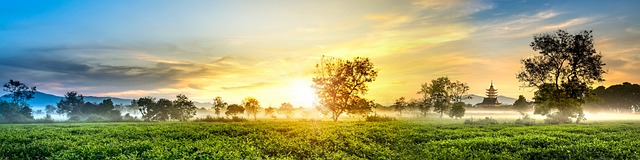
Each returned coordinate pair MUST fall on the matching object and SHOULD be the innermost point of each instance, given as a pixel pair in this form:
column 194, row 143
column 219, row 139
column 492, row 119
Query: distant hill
column 41, row 100
column 475, row 99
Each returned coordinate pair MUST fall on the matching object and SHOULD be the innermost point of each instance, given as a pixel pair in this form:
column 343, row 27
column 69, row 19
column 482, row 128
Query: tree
column 50, row 109
column 437, row 94
column 457, row 110
column 521, row 104
column 286, row 109
column 400, row 105
column 623, row 97
column 562, row 73
column 361, row 107
column 218, row 105
column 183, row 109
column 340, row 84
column 269, row 111
column 251, row 105
column 234, row 110
column 153, row 110
column 19, row 93
column 421, row 106
column 70, row 104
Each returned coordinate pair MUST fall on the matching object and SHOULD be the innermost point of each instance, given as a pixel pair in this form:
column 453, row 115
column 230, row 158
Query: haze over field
column 268, row 49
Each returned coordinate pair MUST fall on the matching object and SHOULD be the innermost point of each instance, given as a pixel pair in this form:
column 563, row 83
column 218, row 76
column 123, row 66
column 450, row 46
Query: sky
column 268, row 49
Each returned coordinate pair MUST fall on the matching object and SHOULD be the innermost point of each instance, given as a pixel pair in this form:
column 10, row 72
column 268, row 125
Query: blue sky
column 267, row 49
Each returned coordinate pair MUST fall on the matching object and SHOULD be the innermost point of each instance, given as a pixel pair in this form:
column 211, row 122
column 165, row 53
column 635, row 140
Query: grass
column 400, row 139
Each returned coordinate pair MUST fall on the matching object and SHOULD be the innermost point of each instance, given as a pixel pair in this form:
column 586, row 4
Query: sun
column 302, row 93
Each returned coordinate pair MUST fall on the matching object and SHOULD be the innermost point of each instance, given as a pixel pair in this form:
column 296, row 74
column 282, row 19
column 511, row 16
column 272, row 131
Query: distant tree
column 623, row 97
column 19, row 93
column 163, row 106
column 218, row 105
column 458, row 91
column 562, row 73
column 340, row 84
column 286, row 109
column 50, row 109
column 153, row 110
column 269, row 111
column 521, row 104
column 252, row 106
column 421, row 106
column 361, row 107
column 457, row 110
column 183, row 109
column 400, row 105
column 70, row 104
column 437, row 94
column 234, row 110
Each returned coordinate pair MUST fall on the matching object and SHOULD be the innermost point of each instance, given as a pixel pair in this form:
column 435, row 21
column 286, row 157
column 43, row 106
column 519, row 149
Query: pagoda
column 491, row 99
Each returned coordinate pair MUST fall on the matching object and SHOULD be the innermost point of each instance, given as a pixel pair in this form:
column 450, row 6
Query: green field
column 401, row 139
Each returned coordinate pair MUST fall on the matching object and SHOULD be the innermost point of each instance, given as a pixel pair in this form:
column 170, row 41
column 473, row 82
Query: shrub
column 525, row 120
column 378, row 118
column 486, row 120
column 557, row 118
column 74, row 118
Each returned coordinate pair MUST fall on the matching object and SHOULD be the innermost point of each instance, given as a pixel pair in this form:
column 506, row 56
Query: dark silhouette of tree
column 340, row 84
column 50, row 109
column 70, row 104
column 400, row 105
column 153, row 110
column 164, row 107
column 17, row 109
column 286, row 109
column 421, row 106
column 457, row 110
column 562, row 73
column 623, row 97
column 183, row 109
column 252, row 106
column 441, row 92
column 521, row 104
column 218, row 105
column 234, row 110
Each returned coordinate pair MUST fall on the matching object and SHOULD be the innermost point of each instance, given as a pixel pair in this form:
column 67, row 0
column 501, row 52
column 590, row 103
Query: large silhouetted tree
column 70, row 104
column 19, row 93
column 340, row 84
column 562, row 72
column 16, row 109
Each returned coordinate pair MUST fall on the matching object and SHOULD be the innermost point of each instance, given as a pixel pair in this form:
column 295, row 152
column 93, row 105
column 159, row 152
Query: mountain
column 475, row 99
column 41, row 100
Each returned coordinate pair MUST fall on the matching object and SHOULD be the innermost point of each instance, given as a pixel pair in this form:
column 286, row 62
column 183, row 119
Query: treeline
column 620, row 98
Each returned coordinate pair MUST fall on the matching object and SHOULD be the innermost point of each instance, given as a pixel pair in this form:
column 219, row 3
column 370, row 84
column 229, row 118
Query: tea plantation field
column 318, row 140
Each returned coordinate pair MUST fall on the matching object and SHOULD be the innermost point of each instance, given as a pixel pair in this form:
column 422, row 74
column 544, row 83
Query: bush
column 379, row 118
column 486, row 120
column 525, row 120
column 557, row 118
column 74, row 118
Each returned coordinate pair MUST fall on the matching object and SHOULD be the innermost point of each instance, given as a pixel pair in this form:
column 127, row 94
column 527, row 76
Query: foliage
column 486, row 120
column 623, row 97
column 441, row 92
column 251, row 106
column 49, row 109
column 525, row 120
column 286, row 109
column 234, row 110
column 563, row 71
column 183, row 109
column 46, row 119
column 70, row 104
column 521, row 104
column 19, row 93
column 318, row 140
column 457, row 110
column 269, row 111
column 340, row 84
column 400, row 105
column 220, row 119
column 378, row 118
column 218, row 105
column 361, row 107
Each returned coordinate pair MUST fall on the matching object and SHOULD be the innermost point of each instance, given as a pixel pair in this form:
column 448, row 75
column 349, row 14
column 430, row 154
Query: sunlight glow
column 302, row 93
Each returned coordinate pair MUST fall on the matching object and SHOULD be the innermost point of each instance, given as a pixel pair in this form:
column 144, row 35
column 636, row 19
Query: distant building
column 492, row 98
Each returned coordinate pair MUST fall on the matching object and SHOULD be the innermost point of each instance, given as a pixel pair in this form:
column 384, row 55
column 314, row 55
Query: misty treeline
column 562, row 74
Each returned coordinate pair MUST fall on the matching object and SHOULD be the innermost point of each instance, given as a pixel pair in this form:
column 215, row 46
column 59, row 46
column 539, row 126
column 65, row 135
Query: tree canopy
column 567, row 64
column 340, row 84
